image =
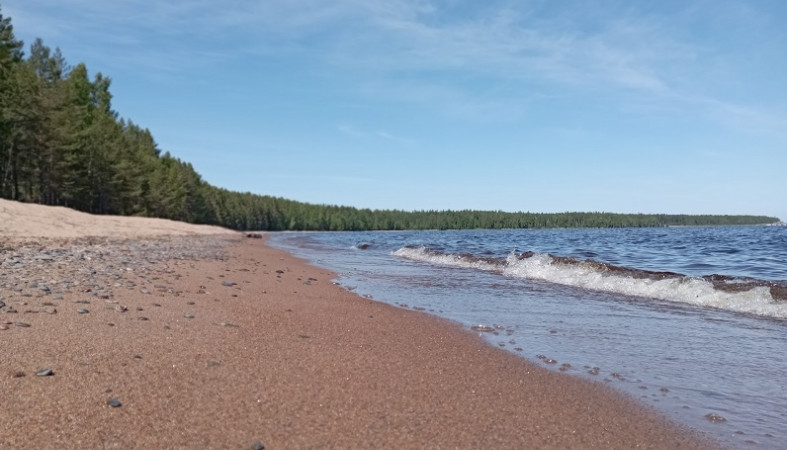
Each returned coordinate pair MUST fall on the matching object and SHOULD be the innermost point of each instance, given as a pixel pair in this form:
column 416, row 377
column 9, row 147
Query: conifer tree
column 10, row 95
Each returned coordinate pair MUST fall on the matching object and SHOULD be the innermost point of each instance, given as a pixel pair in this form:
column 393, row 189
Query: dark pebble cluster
column 50, row 276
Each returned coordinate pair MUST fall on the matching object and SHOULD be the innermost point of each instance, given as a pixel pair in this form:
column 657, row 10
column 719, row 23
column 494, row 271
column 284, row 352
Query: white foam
column 694, row 291
column 445, row 259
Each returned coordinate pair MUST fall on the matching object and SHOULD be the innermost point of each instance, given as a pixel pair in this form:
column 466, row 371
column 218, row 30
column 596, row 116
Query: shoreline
column 224, row 342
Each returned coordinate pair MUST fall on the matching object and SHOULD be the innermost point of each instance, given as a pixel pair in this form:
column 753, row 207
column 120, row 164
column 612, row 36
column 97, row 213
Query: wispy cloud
column 353, row 132
column 439, row 52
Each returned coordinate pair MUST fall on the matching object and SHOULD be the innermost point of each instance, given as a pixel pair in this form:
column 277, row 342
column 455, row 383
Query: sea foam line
column 588, row 275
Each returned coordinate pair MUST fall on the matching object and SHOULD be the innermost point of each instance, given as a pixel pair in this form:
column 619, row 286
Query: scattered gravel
column 39, row 273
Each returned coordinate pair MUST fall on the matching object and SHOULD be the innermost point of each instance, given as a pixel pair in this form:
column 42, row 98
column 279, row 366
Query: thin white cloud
column 428, row 52
column 353, row 132
column 397, row 139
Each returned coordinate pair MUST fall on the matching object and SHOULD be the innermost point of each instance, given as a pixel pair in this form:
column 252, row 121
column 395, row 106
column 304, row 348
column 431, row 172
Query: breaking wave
column 744, row 295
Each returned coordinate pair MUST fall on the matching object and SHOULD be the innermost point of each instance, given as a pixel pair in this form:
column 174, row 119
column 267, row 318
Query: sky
column 670, row 106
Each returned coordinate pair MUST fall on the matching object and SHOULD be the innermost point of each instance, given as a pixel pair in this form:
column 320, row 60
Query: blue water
column 596, row 303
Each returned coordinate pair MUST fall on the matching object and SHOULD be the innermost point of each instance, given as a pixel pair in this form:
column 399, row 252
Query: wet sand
column 219, row 341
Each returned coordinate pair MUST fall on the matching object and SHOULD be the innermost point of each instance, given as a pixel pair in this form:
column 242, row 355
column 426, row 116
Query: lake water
column 692, row 321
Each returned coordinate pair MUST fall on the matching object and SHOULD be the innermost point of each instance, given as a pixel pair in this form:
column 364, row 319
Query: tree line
column 61, row 143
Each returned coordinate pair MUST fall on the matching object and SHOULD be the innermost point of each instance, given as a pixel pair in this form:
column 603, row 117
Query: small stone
column 83, row 311
column 258, row 446
column 22, row 324
column 228, row 283
column 45, row 373
column 715, row 418
column 482, row 328
column 189, row 316
column 113, row 402
column 121, row 308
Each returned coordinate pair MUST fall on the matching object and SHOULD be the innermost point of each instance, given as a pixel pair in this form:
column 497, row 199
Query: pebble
column 258, row 446
column 189, row 316
column 228, row 283
column 45, row 373
column 22, row 324
column 83, row 311
column 715, row 418
column 114, row 402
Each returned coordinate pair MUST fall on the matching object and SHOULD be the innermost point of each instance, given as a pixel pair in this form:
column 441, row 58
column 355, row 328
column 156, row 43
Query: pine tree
column 10, row 96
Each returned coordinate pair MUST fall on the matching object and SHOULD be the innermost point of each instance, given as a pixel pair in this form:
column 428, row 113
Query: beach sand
column 116, row 337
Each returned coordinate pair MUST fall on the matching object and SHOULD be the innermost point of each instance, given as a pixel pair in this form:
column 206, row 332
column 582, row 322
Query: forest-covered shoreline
column 61, row 143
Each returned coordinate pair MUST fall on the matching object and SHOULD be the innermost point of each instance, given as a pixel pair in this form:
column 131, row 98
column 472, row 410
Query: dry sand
column 218, row 341
column 21, row 220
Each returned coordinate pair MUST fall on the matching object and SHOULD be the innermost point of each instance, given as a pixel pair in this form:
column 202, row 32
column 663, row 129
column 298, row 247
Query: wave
column 744, row 295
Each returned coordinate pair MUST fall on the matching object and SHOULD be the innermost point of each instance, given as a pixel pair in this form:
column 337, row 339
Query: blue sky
column 545, row 106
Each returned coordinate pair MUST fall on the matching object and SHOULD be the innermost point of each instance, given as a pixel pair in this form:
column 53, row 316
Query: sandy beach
column 144, row 333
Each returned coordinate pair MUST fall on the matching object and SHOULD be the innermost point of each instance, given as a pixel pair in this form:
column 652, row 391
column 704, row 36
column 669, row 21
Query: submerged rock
column 715, row 418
